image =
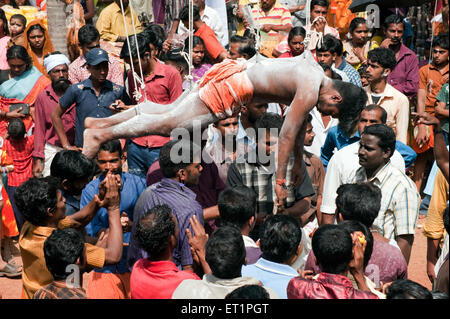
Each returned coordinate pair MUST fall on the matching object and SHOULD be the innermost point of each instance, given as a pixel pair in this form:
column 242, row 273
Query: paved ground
column 12, row 288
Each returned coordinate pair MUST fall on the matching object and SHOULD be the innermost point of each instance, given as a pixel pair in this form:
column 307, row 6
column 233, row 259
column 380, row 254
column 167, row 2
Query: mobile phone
column 25, row 108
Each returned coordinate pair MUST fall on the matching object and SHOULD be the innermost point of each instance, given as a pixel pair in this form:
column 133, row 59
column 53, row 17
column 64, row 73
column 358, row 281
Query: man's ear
column 299, row 249
column 244, row 110
column 340, row 218
column 337, row 98
column 65, row 184
column 172, row 241
column 386, row 72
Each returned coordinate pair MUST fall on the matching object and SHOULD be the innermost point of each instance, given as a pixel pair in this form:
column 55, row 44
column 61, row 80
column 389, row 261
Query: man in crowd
column 237, row 207
column 110, row 22
column 89, row 38
column 380, row 63
column 405, row 76
column 92, row 98
column 241, row 47
column 112, row 282
column 400, row 200
column 46, row 141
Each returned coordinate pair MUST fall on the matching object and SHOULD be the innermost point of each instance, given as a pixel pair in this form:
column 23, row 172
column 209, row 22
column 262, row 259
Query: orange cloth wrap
column 224, row 88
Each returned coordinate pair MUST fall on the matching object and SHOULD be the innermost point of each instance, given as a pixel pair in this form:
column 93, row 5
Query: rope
column 191, row 33
column 431, row 44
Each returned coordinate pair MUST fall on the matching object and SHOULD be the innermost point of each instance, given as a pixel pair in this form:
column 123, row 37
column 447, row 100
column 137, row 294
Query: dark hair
column 355, row 23
column 153, row 230
column 71, row 165
column 296, row 31
column 326, row 67
column 35, row 197
column 280, row 237
column 5, row 22
column 407, row 289
column 352, row 226
column 268, row 121
column 331, row 44
column 196, row 40
column 16, row 129
column 186, row 151
column 248, row 292
column 332, row 245
column 237, row 205
column 184, row 13
column 61, row 249
column 142, row 46
column 446, row 220
column 238, row 39
column 372, row 107
column 156, row 35
column 393, row 19
column 112, row 146
column 320, row 3
column 87, row 34
column 16, row 6
column 362, row 69
column 354, row 99
column 441, row 41
column 225, row 252
column 248, row 48
column 385, row 135
column 20, row 17
column 36, row 27
column 384, row 57
column 177, row 57
column 309, row 118
column 19, row 52
column 360, row 202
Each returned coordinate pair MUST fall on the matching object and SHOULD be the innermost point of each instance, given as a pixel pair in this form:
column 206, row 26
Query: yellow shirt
column 396, row 105
column 110, row 23
column 434, row 225
column 35, row 274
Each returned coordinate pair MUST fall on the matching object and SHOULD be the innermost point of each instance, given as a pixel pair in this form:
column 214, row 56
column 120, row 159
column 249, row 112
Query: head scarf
column 54, row 60
column 47, row 48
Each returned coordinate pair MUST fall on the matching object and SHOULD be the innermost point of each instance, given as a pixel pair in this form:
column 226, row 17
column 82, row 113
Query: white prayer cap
column 54, row 60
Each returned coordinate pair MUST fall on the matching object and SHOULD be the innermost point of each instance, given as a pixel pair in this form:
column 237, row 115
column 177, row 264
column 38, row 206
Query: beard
column 61, row 84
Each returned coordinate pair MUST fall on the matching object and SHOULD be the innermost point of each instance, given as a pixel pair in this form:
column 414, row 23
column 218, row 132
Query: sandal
column 10, row 271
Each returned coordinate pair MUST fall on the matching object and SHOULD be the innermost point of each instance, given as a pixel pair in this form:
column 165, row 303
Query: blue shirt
column 181, row 201
column 338, row 139
column 335, row 139
column 72, row 204
column 132, row 187
column 351, row 72
column 88, row 104
column 272, row 275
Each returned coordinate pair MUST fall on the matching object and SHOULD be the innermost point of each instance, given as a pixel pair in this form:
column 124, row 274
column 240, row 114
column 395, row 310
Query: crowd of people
column 143, row 225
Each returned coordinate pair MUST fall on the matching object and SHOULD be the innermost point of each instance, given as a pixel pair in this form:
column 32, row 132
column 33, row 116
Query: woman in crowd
column 4, row 39
column 295, row 42
column 24, row 85
column 358, row 45
column 38, row 44
column 198, row 57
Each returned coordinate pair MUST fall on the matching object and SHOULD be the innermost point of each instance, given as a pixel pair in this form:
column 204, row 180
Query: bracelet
column 280, row 182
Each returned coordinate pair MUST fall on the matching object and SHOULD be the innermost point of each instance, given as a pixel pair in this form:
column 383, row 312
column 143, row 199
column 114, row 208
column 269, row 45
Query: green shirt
column 443, row 97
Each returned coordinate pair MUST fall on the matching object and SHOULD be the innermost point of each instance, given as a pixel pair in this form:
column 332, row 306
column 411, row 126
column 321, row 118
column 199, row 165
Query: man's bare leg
column 190, row 109
column 144, row 107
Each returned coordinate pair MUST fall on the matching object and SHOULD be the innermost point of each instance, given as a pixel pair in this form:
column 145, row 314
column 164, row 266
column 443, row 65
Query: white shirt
column 342, row 169
column 320, row 130
column 212, row 18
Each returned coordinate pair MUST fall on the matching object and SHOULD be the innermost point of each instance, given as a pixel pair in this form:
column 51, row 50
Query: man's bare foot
column 91, row 144
column 94, row 123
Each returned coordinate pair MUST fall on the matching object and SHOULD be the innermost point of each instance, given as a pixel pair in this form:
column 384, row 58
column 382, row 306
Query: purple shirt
column 405, row 76
column 44, row 132
column 183, row 204
column 387, row 258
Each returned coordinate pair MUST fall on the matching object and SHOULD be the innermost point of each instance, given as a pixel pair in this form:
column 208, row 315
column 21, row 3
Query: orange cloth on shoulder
column 48, row 46
column 224, row 88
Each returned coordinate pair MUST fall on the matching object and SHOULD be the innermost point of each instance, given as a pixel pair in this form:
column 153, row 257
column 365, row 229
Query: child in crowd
column 63, row 249
column 17, row 24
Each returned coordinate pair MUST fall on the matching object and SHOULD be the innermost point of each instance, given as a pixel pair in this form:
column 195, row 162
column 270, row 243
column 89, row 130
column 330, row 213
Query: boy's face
column 309, row 136
column 85, row 48
column 228, row 127
column 234, row 50
column 268, row 143
column 16, row 27
column 107, row 161
column 440, row 56
column 59, row 212
column 325, row 57
column 374, row 71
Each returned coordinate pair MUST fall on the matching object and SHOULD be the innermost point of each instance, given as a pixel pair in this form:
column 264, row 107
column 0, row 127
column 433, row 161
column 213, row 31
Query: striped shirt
column 278, row 15
column 351, row 73
column 400, row 201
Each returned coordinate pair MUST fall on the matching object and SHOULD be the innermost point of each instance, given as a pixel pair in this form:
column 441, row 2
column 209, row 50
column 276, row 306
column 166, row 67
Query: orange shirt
column 212, row 45
column 430, row 80
column 35, row 274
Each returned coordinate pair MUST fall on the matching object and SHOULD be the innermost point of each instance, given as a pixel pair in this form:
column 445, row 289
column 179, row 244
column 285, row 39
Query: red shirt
column 21, row 154
column 163, row 86
column 212, row 45
column 44, row 132
column 325, row 286
column 156, row 279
